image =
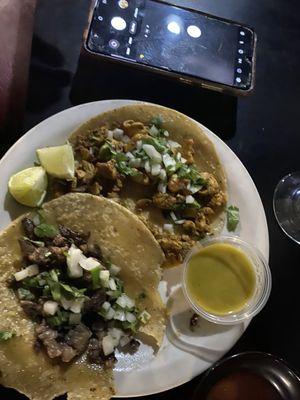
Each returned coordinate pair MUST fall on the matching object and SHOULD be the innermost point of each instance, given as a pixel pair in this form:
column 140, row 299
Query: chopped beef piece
column 107, row 170
column 94, row 303
column 59, row 188
column 134, row 345
column 31, row 309
column 80, row 189
column 58, row 254
column 188, row 150
column 164, row 201
column 48, row 336
column 28, row 227
column 176, row 185
column 27, row 247
column 95, row 188
column 93, row 250
column 94, row 351
column 39, row 256
column 60, row 241
column 110, row 360
column 67, row 352
column 37, row 345
column 75, row 237
column 211, row 185
column 131, row 128
column 98, row 329
column 189, row 227
column 202, row 224
column 84, row 153
column 89, row 170
column 143, row 203
column 142, row 179
column 217, row 200
column 194, row 321
column 78, row 338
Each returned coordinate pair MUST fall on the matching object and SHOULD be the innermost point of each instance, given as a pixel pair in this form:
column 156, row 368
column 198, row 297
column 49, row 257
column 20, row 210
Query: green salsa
column 220, row 279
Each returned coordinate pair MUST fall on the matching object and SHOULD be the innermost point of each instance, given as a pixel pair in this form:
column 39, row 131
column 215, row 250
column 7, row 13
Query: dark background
column 263, row 130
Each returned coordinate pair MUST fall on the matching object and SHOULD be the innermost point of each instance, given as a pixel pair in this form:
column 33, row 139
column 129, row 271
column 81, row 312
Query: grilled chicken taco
column 78, row 280
column 159, row 164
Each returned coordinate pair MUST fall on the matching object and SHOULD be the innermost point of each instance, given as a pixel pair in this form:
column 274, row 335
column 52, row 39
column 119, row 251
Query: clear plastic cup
column 262, row 287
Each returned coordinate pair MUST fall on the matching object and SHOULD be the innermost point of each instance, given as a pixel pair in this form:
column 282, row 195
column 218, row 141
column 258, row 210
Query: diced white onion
column 169, row 227
column 173, row 216
column 180, row 221
column 125, row 302
column 118, row 133
column 183, row 160
column 153, row 131
column 108, row 345
column 104, row 277
column 50, row 307
column 76, row 306
column 173, row 145
column 106, row 306
column 36, row 219
column 155, row 169
column 162, row 174
column 129, row 155
column 110, row 313
column 147, row 167
column 89, row 263
column 110, row 134
column 125, row 139
column 66, row 303
column 114, row 269
column 73, row 258
column 112, row 284
column 193, row 189
column 116, row 334
column 130, row 317
column 162, row 188
column 139, row 144
column 189, row 199
column 31, row 270
column 135, row 162
column 178, row 156
column 124, row 340
column 166, row 133
column 168, row 161
column 120, row 316
column 152, row 152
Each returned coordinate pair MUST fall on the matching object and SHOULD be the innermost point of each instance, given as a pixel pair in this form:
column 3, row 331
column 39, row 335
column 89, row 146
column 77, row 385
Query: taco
column 159, row 164
column 77, row 280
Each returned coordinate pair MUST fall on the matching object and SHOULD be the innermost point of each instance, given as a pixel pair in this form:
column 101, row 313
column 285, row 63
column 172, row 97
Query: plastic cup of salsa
column 260, row 291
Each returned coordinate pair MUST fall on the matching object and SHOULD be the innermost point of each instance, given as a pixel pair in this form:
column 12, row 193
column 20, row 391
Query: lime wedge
column 29, row 186
column 58, row 161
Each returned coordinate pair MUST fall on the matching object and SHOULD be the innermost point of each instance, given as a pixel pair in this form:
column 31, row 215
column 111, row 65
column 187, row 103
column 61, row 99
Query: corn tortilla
column 130, row 245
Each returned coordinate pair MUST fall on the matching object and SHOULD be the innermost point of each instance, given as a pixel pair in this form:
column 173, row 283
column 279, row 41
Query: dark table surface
column 263, row 130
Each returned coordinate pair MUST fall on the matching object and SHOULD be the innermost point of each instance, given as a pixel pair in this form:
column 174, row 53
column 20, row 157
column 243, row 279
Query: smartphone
column 177, row 42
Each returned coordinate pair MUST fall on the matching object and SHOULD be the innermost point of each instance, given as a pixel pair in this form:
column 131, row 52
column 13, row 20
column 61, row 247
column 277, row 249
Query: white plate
column 183, row 354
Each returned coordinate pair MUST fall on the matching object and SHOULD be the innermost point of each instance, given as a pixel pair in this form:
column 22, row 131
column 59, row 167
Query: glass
column 262, row 289
column 286, row 205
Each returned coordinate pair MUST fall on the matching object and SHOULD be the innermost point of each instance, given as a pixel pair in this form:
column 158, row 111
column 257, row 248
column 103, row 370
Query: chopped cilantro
column 6, row 335
column 159, row 143
column 157, row 121
column 25, row 294
column 45, row 231
column 106, row 152
column 124, row 169
column 96, row 278
column 233, row 218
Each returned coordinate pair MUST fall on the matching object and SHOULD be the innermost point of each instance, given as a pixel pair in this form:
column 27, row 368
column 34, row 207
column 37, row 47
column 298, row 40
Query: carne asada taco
column 78, row 280
column 159, row 164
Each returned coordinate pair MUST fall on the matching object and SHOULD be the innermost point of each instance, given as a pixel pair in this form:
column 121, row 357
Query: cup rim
column 244, row 314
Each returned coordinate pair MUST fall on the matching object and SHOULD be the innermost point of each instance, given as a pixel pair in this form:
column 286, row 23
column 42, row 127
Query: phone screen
column 174, row 39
